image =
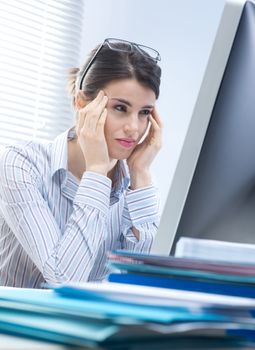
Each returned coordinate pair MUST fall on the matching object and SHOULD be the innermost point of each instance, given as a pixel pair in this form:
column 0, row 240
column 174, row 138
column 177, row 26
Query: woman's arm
column 141, row 212
column 139, row 164
column 59, row 256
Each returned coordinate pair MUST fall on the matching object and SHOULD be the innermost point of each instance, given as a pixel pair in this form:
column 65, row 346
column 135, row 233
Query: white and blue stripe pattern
column 54, row 229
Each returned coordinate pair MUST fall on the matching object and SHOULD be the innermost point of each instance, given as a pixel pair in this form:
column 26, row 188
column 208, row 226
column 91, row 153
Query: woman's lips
column 127, row 143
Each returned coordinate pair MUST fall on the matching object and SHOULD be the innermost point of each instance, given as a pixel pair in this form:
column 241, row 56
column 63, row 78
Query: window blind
column 39, row 41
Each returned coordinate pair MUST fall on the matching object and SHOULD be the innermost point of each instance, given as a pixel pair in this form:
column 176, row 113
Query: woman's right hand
column 90, row 133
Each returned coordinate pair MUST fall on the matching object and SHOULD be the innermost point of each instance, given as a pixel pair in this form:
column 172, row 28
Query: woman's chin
column 120, row 155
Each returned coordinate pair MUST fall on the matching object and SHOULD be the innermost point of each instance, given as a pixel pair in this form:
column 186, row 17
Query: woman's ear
column 80, row 100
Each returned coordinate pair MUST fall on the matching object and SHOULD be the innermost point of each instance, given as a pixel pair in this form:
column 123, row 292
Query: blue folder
column 144, row 268
column 233, row 289
column 99, row 309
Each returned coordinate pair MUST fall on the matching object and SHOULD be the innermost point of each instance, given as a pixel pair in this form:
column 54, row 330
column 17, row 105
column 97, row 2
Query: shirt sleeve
column 59, row 256
column 141, row 210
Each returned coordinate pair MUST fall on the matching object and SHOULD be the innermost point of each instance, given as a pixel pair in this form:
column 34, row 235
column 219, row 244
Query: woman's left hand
column 141, row 158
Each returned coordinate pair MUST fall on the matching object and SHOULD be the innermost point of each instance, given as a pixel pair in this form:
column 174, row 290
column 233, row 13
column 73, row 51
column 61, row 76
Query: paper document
column 214, row 250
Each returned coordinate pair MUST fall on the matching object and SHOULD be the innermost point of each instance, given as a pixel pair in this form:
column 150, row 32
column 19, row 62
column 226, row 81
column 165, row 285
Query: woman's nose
column 131, row 124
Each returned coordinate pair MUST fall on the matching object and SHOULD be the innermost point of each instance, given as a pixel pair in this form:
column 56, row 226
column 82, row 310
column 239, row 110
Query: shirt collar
column 121, row 179
column 59, row 151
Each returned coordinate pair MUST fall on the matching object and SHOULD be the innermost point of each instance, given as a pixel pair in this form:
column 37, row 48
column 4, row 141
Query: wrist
column 97, row 169
column 140, row 179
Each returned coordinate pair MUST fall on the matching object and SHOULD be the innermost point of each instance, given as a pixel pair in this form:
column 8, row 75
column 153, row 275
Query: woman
column 65, row 204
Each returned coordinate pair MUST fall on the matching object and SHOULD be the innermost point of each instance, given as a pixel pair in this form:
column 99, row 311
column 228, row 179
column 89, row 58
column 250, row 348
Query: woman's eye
column 145, row 112
column 121, row 108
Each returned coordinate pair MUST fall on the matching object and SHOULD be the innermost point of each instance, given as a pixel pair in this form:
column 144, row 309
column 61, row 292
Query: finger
column 154, row 122
column 99, row 108
column 89, row 115
column 91, row 105
column 94, row 115
column 79, row 123
column 101, row 122
column 82, row 101
column 97, row 105
column 154, row 125
column 154, row 134
column 82, row 97
column 155, row 115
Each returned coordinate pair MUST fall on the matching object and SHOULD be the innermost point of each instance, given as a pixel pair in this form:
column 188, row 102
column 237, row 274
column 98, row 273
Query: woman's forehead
column 131, row 91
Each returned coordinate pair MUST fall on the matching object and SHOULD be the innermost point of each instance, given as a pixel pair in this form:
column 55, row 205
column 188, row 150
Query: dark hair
column 112, row 65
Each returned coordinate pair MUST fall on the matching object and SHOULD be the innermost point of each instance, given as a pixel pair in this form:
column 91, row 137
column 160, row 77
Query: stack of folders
column 210, row 274
column 123, row 317
column 152, row 302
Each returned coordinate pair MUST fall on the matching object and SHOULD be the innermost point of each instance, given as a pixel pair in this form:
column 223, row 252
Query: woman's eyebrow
column 122, row 100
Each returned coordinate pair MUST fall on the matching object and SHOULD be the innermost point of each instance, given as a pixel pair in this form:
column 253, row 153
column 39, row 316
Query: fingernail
column 82, row 95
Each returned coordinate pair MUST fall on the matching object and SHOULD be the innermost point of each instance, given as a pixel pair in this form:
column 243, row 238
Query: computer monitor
column 212, row 194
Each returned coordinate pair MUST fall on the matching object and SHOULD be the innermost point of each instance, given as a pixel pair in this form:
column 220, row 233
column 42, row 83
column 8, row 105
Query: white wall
column 183, row 33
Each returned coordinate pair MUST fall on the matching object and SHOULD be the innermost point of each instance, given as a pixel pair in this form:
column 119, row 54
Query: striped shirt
column 54, row 228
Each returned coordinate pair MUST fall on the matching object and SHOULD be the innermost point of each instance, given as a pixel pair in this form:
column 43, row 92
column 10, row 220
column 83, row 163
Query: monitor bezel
column 199, row 121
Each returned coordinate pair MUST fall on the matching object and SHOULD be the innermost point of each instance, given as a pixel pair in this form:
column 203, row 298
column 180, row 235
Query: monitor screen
column 212, row 194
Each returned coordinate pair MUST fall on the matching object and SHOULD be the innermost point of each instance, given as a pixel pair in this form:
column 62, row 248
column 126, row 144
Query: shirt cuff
column 94, row 190
column 141, row 206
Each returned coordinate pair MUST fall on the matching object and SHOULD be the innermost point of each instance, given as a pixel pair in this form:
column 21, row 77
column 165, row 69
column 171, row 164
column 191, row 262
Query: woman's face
column 129, row 106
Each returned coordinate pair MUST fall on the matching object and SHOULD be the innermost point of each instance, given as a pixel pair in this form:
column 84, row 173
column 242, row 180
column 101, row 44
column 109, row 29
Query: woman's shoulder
column 24, row 156
column 27, row 149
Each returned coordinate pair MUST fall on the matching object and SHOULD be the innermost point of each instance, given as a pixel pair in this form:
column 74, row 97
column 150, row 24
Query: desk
column 16, row 343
